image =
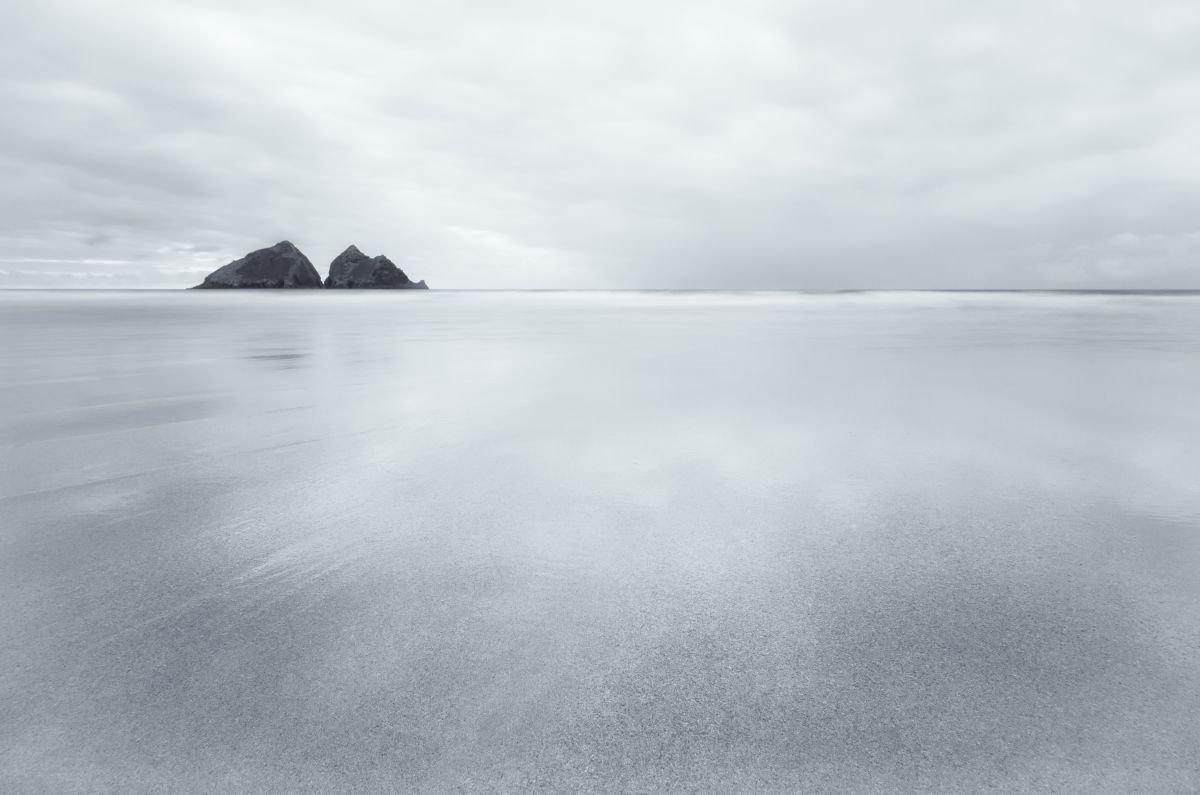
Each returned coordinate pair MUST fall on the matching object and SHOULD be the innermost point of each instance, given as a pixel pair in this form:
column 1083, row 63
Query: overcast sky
column 622, row 144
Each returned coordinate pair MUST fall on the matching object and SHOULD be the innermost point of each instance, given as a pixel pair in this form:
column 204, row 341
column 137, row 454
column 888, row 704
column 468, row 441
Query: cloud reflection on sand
column 609, row 541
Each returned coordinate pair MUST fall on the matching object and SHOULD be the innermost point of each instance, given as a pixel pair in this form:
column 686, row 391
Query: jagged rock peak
column 280, row 265
column 351, row 253
column 353, row 270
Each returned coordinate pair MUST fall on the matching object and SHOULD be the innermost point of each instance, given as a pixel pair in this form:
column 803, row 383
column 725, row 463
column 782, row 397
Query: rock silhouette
column 354, row 270
column 281, row 265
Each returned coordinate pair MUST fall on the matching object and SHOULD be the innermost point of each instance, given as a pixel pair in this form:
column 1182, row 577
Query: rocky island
column 285, row 266
column 281, row 265
column 353, row 269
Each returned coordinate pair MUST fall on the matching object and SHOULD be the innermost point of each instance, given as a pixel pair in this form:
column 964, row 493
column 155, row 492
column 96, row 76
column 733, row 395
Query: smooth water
column 613, row 541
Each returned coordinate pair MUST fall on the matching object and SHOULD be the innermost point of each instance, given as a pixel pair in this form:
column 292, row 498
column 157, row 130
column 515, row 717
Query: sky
column 692, row 144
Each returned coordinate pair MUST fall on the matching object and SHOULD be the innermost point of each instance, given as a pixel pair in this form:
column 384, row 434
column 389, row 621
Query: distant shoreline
column 1166, row 292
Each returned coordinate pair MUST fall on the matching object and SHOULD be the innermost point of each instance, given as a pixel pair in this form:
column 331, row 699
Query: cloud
column 699, row 144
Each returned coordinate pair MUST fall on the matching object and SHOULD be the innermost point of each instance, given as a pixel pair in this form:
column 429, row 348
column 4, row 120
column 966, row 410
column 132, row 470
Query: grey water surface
column 298, row 541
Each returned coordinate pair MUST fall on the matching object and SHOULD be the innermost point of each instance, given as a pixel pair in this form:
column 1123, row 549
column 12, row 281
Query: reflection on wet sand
column 624, row 542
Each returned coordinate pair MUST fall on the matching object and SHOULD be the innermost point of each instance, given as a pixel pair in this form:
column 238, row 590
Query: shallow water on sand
column 605, row 541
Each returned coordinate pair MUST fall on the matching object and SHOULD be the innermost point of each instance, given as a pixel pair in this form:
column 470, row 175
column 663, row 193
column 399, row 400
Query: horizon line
column 810, row 291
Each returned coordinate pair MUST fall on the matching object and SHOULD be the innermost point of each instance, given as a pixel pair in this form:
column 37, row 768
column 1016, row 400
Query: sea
column 307, row 541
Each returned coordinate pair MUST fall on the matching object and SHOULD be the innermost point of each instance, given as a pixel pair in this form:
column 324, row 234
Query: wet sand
column 599, row 542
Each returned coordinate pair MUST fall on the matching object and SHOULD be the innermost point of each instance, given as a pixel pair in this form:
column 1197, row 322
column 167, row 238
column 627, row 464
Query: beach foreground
column 599, row 542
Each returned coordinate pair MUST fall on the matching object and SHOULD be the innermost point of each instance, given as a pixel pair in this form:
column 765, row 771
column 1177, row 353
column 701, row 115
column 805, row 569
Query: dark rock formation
column 353, row 269
column 281, row 265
